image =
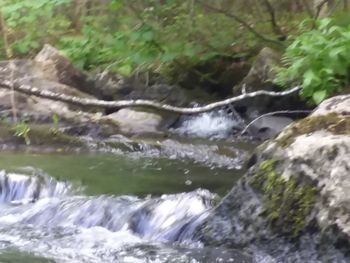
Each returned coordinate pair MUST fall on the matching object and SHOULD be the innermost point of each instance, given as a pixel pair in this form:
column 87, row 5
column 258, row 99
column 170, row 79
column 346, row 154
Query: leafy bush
column 30, row 24
column 148, row 37
column 125, row 36
column 318, row 60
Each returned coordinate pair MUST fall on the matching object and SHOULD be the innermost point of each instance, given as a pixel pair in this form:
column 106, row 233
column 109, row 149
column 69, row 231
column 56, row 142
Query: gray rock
column 268, row 126
column 113, row 86
column 297, row 189
column 54, row 66
column 136, row 122
column 338, row 104
column 261, row 73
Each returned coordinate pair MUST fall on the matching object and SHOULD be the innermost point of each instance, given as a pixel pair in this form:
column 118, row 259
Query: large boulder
column 49, row 70
column 295, row 199
column 54, row 66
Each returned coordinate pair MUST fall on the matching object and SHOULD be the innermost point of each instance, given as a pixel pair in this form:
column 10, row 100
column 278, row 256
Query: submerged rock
column 297, row 189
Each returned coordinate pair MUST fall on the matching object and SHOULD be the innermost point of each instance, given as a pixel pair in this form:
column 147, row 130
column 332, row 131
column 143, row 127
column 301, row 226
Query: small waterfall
column 215, row 124
column 169, row 218
column 22, row 188
column 60, row 225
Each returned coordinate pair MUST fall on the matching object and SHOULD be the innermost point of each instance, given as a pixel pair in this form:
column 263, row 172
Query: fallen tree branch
column 84, row 102
column 271, row 114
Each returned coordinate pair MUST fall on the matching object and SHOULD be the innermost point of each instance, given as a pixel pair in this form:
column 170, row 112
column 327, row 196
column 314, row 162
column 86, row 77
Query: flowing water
column 108, row 208
column 215, row 124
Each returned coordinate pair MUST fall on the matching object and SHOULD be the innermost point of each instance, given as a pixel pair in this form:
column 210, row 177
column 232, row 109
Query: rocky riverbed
column 292, row 204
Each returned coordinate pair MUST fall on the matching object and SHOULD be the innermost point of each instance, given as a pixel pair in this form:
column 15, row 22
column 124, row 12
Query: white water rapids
column 48, row 219
column 215, row 124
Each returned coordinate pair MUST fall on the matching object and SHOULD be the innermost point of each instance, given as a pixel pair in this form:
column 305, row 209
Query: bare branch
column 271, row 114
column 275, row 27
column 306, row 5
column 242, row 22
column 84, row 102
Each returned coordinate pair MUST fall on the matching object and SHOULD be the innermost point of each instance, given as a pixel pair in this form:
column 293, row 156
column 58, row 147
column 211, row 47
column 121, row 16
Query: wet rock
column 137, row 122
column 268, row 126
column 43, row 135
column 297, row 190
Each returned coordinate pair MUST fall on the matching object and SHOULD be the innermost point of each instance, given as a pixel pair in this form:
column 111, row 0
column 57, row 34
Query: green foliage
column 125, row 36
column 21, row 129
column 145, row 36
column 29, row 24
column 55, row 120
column 318, row 60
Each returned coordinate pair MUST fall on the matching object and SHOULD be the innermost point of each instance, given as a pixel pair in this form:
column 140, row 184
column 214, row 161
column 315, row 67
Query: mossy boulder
column 287, row 202
column 297, row 188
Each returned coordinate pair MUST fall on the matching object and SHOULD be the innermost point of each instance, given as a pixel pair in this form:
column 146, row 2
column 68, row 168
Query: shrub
column 318, row 60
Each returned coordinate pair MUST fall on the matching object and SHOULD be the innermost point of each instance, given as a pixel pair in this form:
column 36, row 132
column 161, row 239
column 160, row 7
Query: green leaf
column 168, row 56
column 310, row 78
column 148, row 35
column 319, row 96
column 334, row 53
column 210, row 55
column 125, row 69
column 116, row 4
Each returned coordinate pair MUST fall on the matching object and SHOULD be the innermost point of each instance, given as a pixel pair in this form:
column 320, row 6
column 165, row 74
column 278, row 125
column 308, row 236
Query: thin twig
column 271, row 114
column 85, row 102
column 192, row 13
column 275, row 27
column 242, row 22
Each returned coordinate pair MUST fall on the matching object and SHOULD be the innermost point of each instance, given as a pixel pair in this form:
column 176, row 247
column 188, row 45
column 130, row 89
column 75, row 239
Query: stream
column 105, row 207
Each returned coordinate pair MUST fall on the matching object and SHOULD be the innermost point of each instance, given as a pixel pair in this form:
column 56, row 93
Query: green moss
column 334, row 123
column 39, row 134
column 287, row 203
column 44, row 134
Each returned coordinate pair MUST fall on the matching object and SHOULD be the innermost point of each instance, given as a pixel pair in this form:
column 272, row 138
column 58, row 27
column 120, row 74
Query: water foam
column 215, row 124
